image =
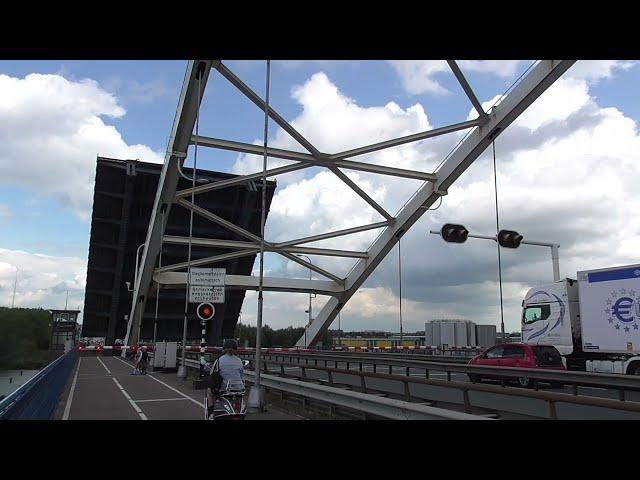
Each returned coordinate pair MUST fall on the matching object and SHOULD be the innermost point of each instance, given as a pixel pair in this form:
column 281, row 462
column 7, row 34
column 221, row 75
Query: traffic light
column 509, row 238
column 452, row 232
column 205, row 311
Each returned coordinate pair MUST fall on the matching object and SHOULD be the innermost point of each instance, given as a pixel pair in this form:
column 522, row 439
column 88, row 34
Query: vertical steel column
column 495, row 181
column 183, row 373
column 400, row 278
column 256, row 398
column 155, row 323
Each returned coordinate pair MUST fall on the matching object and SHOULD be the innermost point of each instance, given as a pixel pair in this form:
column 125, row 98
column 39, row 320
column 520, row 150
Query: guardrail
column 380, row 407
column 621, row 383
column 467, row 352
column 37, row 399
column 387, row 408
column 551, row 398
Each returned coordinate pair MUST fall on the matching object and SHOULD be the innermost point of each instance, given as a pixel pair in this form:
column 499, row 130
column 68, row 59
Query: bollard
column 10, row 379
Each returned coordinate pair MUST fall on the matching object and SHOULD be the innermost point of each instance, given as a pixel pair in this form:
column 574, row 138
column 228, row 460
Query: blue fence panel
column 37, row 399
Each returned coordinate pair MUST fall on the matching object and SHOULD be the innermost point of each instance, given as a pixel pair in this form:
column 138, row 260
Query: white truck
column 594, row 322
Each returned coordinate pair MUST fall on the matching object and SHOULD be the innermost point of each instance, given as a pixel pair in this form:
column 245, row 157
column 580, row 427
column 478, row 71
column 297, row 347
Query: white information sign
column 203, row 294
column 207, row 276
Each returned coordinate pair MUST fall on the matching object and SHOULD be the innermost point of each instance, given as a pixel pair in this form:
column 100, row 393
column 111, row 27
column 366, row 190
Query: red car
column 520, row 355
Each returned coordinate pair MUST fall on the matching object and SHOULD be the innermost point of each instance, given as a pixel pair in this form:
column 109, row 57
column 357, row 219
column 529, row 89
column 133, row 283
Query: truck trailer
column 593, row 321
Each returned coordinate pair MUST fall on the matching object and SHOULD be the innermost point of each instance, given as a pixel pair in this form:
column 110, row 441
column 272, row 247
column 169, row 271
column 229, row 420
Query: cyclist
column 230, row 368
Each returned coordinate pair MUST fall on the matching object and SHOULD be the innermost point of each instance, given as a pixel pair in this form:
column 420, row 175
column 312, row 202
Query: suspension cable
column 262, row 222
column 495, row 181
column 400, row 278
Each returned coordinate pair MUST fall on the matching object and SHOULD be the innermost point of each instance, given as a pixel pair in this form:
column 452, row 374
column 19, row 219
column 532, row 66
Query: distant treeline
column 24, row 338
column 284, row 337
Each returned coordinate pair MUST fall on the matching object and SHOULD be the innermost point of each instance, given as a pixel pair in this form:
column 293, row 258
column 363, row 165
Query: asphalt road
column 510, row 407
column 103, row 388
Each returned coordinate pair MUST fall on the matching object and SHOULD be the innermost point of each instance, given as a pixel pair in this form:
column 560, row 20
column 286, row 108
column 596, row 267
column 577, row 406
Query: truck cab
column 550, row 315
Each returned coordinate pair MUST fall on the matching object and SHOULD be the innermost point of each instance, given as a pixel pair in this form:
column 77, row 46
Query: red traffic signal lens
column 205, row 311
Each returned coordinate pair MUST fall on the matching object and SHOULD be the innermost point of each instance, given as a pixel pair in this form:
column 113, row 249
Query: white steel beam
column 209, row 242
column 208, row 260
column 246, row 282
column 255, row 98
column 219, row 220
column 196, row 77
column 337, row 233
column 337, row 160
column 541, row 77
column 403, row 140
column 467, row 89
column 239, row 180
column 311, row 266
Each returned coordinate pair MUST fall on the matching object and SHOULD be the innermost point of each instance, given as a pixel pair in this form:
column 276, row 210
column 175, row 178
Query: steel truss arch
column 486, row 127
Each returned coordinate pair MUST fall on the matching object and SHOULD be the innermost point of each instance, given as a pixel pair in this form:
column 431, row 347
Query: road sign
column 204, row 294
column 213, row 277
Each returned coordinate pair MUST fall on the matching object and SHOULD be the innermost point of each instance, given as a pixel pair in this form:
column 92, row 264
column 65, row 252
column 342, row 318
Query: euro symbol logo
column 622, row 309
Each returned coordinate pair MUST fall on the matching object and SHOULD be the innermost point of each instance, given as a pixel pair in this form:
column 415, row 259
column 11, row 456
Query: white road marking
column 177, row 391
column 168, row 386
column 159, row 400
column 126, row 395
column 105, row 367
column 67, row 407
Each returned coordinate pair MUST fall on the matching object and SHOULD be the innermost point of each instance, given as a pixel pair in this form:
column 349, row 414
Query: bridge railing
column 469, row 395
column 37, row 399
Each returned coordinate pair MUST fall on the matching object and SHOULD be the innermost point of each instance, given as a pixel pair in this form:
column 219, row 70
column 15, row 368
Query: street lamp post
column 135, row 276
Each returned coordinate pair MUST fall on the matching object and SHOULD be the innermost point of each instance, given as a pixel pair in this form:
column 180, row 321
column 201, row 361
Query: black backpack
column 216, row 378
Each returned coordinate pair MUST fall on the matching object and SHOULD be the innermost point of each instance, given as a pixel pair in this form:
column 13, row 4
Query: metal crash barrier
column 37, row 399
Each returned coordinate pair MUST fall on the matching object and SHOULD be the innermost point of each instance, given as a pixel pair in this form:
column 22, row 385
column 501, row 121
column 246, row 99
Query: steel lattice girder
column 488, row 126
column 542, row 76
column 181, row 131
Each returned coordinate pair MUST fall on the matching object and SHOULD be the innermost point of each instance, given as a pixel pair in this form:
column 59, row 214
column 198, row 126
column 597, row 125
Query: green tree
column 24, row 337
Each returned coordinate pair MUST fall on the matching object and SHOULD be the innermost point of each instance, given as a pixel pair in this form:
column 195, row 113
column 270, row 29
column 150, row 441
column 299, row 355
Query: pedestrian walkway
column 103, row 388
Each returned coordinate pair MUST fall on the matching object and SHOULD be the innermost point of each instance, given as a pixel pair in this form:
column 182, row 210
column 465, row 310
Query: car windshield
column 547, row 355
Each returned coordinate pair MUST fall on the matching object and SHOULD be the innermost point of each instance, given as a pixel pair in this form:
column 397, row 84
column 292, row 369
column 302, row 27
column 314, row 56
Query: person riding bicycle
column 230, row 368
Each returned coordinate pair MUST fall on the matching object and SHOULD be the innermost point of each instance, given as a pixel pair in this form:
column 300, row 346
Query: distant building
column 447, row 333
column 64, row 331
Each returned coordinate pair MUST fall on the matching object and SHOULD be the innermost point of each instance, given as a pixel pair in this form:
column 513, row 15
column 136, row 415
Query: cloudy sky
column 566, row 173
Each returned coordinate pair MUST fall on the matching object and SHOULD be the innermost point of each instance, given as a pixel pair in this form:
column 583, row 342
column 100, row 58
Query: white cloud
column 567, row 170
column 501, row 68
column 595, row 70
column 42, row 280
column 417, row 75
column 53, row 129
column 424, row 76
column 5, row 212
